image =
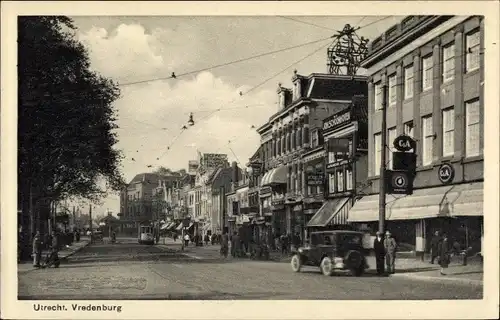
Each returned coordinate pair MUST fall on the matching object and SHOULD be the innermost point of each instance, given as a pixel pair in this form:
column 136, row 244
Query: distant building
column 433, row 67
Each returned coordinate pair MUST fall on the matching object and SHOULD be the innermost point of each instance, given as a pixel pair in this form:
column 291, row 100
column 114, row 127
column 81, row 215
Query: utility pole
column 383, row 138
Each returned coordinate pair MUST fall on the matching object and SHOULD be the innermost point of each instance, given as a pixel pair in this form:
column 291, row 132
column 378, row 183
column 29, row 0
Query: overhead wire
column 308, row 23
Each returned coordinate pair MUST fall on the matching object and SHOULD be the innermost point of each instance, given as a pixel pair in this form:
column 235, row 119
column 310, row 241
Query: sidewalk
column 63, row 254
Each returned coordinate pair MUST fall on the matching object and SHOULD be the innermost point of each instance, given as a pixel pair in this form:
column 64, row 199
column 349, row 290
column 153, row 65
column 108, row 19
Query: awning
column 334, row 210
column 166, row 226
column 179, row 227
column 274, row 176
column 445, row 201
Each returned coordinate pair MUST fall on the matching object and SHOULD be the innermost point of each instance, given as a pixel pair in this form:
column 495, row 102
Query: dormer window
column 296, row 90
column 282, row 100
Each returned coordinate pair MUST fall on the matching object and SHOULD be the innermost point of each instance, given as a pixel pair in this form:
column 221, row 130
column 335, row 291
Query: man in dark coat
column 37, row 249
column 378, row 247
column 444, row 254
column 435, row 242
column 53, row 258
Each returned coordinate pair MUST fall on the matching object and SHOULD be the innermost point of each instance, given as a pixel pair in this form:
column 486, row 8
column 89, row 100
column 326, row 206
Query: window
column 314, row 138
column 348, row 179
column 472, row 51
column 377, row 147
column 448, row 132
column 427, row 140
column 408, row 87
column 390, row 138
column 472, row 129
column 331, row 183
column 408, row 127
column 449, row 62
column 427, row 73
column 378, row 96
column 392, row 90
column 340, row 181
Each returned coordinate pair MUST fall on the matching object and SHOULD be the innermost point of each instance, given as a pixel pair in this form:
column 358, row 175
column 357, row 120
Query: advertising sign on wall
column 213, row 160
column 315, row 178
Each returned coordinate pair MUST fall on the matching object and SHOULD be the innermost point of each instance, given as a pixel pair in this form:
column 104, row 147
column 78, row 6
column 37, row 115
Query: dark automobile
column 332, row 250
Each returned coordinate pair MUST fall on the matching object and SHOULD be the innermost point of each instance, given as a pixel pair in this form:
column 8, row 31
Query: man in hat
column 390, row 251
column 378, row 247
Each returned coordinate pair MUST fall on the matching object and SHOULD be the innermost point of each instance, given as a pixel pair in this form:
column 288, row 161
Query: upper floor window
column 340, row 180
column 408, row 86
column 408, row 130
column 427, row 140
column 331, row 183
column 392, row 90
column 427, row 73
column 378, row 96
column 448, row 132
column 448, row 62
column 348, row 178
column 472, row 129
column 472, row 43
column 314, row 138
column 390, row 138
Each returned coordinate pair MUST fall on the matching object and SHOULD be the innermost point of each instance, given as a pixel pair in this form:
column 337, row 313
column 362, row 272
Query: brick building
column 433, row 67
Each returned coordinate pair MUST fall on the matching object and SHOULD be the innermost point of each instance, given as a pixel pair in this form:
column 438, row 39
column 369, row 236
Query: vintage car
column 332, row 250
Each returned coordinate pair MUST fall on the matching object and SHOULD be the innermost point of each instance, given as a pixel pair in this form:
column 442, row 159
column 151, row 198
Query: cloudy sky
column 151, row 113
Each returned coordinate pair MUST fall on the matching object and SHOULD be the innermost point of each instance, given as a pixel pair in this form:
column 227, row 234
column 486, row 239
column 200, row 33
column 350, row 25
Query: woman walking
column 444, row 254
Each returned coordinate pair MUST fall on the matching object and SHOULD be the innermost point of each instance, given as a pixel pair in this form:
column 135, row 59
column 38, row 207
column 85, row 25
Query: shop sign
column 399, row 182
column 338, row 163
column 315, row 178
column 404, row 143
column 337, row 120
column 446, row 173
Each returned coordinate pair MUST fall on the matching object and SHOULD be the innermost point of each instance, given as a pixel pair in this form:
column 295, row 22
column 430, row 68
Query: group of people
column 284, row 242
column 52, row 242
column 385, row 251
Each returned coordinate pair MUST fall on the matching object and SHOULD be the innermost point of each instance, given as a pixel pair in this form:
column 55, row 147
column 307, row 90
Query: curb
column 439, row 279
column 75, row 251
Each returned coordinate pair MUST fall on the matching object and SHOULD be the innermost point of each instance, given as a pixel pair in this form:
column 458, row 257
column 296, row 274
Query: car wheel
column 326, row 266
column 296, row 263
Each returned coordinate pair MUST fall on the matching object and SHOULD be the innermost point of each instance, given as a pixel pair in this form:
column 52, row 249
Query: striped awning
column 179, row 227
column 445, row 201
column 333, row 211
column 274, row 176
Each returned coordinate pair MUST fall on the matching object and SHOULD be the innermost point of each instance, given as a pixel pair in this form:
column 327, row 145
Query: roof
column 152, row 178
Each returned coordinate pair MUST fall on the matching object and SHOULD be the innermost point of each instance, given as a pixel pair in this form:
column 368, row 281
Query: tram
column 146, row 233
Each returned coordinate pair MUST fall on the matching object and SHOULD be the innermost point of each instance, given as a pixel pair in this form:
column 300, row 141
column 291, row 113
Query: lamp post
column 383, row 138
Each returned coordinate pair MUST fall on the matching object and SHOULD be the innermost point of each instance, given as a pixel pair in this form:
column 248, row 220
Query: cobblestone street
column 127, row 270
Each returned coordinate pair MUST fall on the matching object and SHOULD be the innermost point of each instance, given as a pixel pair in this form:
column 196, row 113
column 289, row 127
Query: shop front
column 454, row 209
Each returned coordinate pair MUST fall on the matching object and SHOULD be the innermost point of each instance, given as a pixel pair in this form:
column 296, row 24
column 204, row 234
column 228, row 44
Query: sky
column 152, row 113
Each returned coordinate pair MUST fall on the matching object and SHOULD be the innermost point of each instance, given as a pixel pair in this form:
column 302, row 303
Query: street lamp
column 191, row 121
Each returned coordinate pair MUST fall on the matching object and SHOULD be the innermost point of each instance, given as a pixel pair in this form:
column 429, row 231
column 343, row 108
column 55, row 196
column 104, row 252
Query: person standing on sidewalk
column 379, row 249
column 53, row 258
column 37, row 249
column 390, row 246
column 186, row 239
column 444, row 254
column 435, row 242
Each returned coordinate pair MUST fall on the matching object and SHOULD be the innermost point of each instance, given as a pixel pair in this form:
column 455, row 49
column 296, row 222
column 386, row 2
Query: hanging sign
column 446, row 173
column 404, row 143
column 399, row 182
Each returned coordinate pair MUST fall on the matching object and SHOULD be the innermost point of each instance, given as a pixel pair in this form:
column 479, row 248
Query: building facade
column 289, row 141
column 433, row 68
column 344, row 155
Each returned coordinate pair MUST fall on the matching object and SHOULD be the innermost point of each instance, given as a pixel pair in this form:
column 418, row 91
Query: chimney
column 235, row 175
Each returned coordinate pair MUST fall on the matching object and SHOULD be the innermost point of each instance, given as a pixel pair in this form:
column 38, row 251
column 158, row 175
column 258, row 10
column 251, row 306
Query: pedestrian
column 379, row 249
column 53, row 258
column 444, row 254
column 224, row 244
column 235, row 245
column 390, row 246
column 186, row 240
column 207, row 239
column 37, row 249
column 435, row 242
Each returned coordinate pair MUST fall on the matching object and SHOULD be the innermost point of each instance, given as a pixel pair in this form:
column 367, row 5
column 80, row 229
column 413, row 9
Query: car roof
column 337, row 231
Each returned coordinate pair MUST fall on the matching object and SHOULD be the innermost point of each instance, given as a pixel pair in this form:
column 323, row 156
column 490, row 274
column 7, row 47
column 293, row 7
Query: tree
column 66, row 118
column 163, row 171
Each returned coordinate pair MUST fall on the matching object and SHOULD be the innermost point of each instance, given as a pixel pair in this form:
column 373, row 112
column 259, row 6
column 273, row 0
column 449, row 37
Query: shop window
column 408, row 86
column 448, row 59
column 472, row 42
column 427, row 72
column 472, row 129
column 448, row 132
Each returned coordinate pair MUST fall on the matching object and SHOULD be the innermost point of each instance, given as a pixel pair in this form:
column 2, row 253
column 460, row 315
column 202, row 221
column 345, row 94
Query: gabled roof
column 152, row 178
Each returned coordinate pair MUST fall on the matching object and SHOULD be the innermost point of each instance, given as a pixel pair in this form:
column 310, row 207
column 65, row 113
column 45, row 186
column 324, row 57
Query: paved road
column 127, row 270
